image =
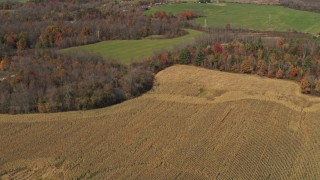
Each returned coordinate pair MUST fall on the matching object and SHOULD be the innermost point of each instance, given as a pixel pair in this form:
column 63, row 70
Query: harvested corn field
column 194, row 124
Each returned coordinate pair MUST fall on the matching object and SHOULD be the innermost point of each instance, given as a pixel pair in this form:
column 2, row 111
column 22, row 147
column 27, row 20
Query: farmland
column 251, row 16
column 195, row 123
column 127, row 51
column 234, row 104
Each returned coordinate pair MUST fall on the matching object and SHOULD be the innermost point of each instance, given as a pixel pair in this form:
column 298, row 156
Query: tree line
column 62, row 24
column 44, row 81
column 309, row 5
column 297, row 60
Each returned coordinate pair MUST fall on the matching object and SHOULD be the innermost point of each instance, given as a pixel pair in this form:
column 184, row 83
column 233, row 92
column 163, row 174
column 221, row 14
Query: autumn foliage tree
column 10, row 39
column 218, row 49
column 51, row 36
column 164, row 57
column 279, row 74
column 317, row 86
column 160, row 15
column 261, row 67
column 1, row 65
column 50, row 82
column 292, row 72
column 189, row 14
column 246, row 66
column 280, row 42
column 305, row 85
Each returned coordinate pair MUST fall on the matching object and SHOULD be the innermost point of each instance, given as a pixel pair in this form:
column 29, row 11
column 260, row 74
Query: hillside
column 248, row 16
column 194, row 124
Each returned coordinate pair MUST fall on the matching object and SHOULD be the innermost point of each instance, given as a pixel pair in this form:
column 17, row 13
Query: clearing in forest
column 127, row 51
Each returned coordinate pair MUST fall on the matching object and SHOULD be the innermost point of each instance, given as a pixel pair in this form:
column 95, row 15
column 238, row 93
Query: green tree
column 308, row 64
column 184, row 57
column 200, row 57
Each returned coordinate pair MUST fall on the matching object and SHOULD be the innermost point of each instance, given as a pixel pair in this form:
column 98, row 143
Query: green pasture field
column 127, row 51
column 249, row 16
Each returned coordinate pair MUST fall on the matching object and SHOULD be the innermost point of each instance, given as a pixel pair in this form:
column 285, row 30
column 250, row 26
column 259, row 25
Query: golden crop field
column 194, row 124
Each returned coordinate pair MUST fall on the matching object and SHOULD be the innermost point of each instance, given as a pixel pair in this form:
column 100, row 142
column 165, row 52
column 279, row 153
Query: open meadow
column 249, row 16
column 194, row 124
column 127, row 51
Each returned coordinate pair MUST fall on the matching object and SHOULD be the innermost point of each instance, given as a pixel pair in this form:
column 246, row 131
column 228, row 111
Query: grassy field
column 257, row 17
column 127, row 51
column 195, row 124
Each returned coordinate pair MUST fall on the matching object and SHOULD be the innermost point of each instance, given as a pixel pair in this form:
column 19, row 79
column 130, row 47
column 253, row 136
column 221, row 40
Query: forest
column 35, row 77
column 48, row 82
column 312, row 5
column 61, row 24
column 297, row 60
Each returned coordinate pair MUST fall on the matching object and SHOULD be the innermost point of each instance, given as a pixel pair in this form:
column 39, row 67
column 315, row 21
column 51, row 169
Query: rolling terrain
column 194, row 124
column 249, row 16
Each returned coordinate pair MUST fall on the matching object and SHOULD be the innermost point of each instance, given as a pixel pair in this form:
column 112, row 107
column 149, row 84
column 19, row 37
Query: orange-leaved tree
column 279, row 74
column 305, row 85
column 1, row 65
column 246, row 65
column 51, row 36
column 261, row 67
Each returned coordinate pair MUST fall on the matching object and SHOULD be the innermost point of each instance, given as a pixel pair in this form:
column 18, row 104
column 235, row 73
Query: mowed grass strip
column 250, row 16
column 127, row 51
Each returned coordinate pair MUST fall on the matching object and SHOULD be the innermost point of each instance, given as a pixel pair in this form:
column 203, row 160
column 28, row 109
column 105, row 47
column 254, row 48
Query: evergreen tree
column 308, row 64
column 184, row 57
column 200, row 57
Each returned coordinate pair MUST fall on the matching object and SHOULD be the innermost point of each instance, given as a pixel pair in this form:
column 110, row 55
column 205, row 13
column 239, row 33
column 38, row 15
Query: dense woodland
column 65, row 23
column 310, row 5
column 297, row 60
column 35, row 78
column 48, row 82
